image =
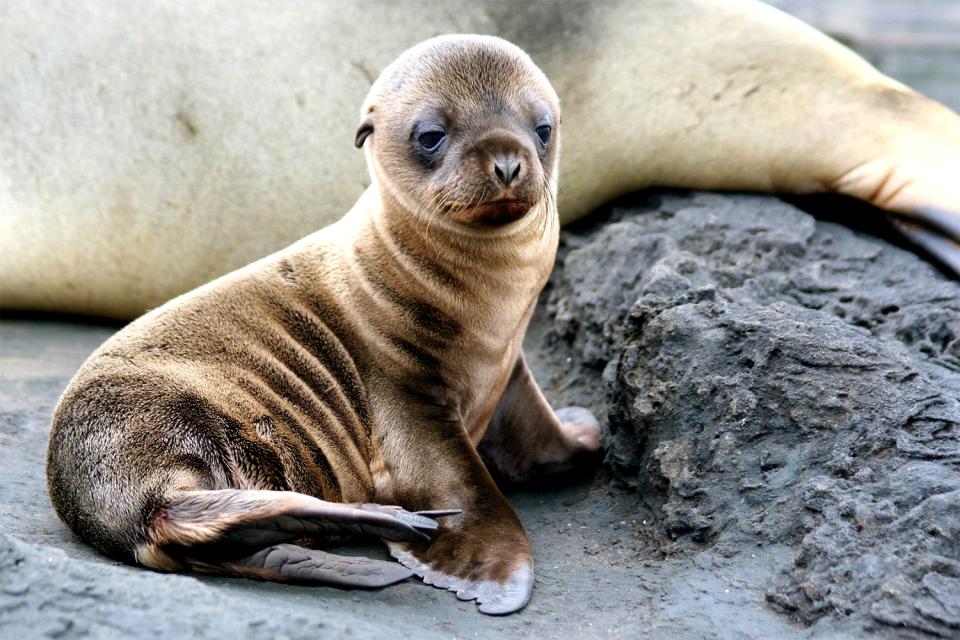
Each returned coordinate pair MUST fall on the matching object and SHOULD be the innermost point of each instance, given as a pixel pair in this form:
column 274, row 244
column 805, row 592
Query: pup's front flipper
column 528, row 442
column 500, row 580
column 481, row 554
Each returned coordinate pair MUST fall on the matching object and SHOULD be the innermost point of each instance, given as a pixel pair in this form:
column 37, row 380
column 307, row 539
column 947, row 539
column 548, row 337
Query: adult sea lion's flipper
column 935, row 231
column 737, row 95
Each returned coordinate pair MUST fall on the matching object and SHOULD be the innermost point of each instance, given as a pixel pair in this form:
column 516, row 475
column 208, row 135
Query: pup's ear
column 366, row 128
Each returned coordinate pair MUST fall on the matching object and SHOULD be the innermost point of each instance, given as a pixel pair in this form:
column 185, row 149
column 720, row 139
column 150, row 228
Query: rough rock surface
column 776, row 380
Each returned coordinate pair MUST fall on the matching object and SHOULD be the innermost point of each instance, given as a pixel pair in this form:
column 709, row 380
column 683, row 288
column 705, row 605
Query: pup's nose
column 507, row 168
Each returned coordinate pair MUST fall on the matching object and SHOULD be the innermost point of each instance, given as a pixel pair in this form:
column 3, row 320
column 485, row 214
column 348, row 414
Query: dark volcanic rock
column 773, row 379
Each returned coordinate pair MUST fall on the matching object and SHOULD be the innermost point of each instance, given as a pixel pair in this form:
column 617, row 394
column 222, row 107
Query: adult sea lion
column 148, row 147
column 364, row 364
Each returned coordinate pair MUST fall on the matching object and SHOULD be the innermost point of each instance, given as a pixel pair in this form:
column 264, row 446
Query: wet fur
column 364, row 363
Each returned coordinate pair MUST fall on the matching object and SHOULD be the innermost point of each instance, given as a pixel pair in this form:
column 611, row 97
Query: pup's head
column 463, row 128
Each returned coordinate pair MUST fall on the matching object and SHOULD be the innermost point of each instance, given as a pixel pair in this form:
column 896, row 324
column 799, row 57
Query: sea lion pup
column 364, row 364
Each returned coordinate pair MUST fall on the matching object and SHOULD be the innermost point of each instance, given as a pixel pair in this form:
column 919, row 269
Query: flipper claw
column 417, row 520
column 439, row 513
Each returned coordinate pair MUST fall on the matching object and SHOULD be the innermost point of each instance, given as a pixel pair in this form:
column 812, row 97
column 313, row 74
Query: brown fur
column 362, row 364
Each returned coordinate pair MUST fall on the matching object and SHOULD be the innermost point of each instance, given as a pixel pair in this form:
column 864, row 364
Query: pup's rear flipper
column 290, row 563
column 243, row 533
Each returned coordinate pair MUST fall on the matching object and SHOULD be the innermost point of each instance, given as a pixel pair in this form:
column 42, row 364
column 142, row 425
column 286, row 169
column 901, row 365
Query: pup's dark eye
column 543, row 132
column 430, row 140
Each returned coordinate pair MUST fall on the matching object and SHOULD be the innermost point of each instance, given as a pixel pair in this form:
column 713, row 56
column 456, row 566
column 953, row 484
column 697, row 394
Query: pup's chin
column 495, row 212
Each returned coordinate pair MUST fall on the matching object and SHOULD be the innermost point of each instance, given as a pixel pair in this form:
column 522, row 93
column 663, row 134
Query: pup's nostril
column 507, row 169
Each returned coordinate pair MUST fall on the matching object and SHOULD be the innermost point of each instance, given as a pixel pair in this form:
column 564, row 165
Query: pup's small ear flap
column 366, row 128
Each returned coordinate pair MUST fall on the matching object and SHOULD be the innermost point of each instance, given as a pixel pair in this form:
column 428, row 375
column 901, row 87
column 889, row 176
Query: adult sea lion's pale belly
column 157, row 146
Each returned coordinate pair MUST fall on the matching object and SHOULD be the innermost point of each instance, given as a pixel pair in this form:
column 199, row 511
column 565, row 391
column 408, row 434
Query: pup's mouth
column 496, row 212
